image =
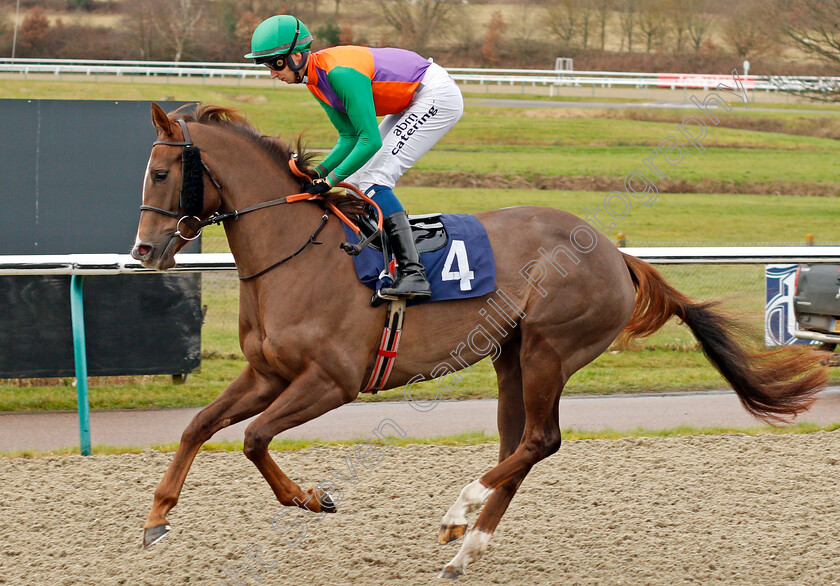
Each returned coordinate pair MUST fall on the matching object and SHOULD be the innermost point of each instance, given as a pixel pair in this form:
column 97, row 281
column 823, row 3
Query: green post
column 77, row 312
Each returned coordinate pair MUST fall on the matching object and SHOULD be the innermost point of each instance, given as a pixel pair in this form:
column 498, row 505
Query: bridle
column 190, row 205
column 192, row 156
column 187, row 203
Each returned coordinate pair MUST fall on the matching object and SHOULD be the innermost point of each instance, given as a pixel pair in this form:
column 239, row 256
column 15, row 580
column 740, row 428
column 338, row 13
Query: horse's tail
column 773, row 386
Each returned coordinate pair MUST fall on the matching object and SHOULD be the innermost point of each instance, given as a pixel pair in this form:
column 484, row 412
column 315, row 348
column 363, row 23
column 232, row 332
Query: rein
column 346, row 246
column 311, row 240
column 192, row 153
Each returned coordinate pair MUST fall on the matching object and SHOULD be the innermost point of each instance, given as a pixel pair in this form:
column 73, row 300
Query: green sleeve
column 354, row 90
column 347, row 138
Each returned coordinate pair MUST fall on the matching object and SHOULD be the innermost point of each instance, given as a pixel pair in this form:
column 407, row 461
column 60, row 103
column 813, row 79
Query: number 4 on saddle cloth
column 453, row 248
column 456, row 253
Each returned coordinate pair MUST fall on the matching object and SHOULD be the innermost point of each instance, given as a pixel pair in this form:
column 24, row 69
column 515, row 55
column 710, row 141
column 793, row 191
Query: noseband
column 191, row 198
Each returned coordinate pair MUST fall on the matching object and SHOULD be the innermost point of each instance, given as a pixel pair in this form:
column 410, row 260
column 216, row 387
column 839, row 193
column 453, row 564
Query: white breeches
column 407, row 136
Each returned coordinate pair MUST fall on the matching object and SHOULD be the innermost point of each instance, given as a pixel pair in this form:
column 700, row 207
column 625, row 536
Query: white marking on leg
column 474, row 545
column 471, row 498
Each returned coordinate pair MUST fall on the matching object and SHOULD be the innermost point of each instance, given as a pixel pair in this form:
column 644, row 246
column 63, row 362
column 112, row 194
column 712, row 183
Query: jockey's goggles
column 276, row 63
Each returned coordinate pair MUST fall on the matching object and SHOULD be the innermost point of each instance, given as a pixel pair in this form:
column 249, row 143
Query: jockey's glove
column 317, row 187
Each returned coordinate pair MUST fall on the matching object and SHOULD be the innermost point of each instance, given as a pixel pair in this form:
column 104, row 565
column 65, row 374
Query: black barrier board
column 165, row 340
column 71, row 175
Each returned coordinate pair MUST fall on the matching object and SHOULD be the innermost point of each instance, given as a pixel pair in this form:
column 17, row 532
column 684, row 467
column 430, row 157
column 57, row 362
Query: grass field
column 684, row 217
column 511, row 140
column 522, row 143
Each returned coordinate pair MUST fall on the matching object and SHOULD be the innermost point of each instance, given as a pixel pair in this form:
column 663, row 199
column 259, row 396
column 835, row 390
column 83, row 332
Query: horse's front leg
column 246, row 396
column 312, row 393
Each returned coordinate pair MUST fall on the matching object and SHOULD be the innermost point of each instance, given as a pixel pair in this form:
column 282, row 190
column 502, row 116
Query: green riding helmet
column 279, row 35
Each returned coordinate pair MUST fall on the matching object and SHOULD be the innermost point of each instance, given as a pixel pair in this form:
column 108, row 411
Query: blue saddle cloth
column 463, row 268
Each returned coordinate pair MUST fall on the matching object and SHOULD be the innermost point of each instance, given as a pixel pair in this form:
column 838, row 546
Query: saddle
column 428, row 230
column 459, row 263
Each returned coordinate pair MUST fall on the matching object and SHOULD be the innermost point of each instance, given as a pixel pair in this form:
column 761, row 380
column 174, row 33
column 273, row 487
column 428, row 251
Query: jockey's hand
column 313, row 174
column 317, row 187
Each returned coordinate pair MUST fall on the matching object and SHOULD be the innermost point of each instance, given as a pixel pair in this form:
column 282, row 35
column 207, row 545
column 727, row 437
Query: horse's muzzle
column 141, row 252
column 154, row 257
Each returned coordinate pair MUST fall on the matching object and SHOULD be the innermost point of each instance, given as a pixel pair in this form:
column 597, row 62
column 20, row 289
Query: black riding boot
column 411, row 276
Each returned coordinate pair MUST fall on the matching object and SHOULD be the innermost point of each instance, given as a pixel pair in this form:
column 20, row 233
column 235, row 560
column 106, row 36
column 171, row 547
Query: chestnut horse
column 310, row 336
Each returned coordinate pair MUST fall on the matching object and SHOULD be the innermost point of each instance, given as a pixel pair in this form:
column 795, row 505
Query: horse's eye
column 159, row 176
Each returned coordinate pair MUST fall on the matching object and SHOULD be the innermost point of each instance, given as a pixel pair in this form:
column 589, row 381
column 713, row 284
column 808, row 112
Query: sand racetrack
column 729, row 509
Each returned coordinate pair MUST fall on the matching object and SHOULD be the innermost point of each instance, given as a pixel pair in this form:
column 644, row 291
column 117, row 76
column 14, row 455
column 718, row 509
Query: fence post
column 77, row 313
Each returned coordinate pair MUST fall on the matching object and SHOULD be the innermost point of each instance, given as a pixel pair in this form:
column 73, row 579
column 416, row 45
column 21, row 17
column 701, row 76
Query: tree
column 33, row 31
column 587, row 9
column 490, row 48
column 346, row 35
column 80, row 4
column 561, row 19
column 246, row 26
column 747, row 28
column 603, row 9
column 5, row 32
column 138, row 27
column 306, row 10
column 522, row 28
column 813, row 26
column 676, row 19
column 218, row 35
column 175, row 22
column 698, row 21
column 628, row 18
column 417, row 21
column 329, row 33
column 651, row 21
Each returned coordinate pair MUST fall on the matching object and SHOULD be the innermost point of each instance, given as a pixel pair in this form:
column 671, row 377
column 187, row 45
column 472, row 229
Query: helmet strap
column 290, row 63
column 297, row 68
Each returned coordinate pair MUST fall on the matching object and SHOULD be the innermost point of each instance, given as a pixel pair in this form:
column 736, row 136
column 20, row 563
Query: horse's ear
column 161, row 120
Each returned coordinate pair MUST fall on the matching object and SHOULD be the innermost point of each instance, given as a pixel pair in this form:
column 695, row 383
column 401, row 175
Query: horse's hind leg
column 543, row 382
column 510, row 416
column 246, row 396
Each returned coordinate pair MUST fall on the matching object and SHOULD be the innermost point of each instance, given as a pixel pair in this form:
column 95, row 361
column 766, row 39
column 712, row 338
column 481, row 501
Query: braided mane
column 280, row 151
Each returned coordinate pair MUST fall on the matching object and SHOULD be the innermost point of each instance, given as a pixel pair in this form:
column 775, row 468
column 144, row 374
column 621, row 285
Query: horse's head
column 179, row 192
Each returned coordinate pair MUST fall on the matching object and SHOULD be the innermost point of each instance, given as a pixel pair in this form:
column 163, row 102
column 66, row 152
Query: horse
column 563, row 294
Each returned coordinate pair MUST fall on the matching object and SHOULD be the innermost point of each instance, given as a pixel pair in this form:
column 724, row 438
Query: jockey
column 419, row 101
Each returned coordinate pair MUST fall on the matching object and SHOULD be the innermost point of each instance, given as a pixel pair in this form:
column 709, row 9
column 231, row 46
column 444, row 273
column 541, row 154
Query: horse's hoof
column 451, row 533
column 152, row 535
column 449, row 573
column 327, row 504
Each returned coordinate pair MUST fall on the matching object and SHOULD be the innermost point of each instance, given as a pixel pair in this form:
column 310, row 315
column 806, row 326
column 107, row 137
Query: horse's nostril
column 143, row 250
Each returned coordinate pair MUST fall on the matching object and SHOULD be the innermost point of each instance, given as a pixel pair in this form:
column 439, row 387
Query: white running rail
column 120, row 264
column 543, row 77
